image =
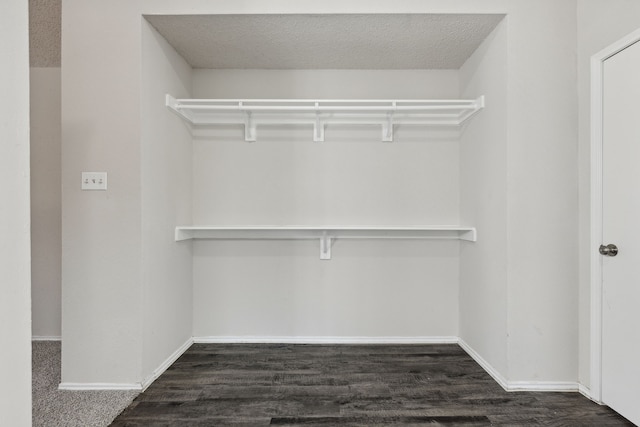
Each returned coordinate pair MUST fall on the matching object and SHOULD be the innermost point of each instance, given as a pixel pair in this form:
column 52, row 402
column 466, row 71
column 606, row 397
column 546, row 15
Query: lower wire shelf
column 326, row 234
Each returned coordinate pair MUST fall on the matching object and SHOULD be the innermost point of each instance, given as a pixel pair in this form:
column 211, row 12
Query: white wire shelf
column 318, row 113
column 325, row 234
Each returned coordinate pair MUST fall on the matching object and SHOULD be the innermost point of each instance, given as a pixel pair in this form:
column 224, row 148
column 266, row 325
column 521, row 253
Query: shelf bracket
column 318, row 128
column 325, row 246
column 387, row 128
column 249, row 127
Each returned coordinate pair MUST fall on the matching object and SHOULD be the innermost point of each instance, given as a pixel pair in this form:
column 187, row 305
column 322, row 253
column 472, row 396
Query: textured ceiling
column 393, row 41
column 44, row 32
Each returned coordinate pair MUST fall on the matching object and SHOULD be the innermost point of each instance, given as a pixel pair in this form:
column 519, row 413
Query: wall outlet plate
column 94, row 181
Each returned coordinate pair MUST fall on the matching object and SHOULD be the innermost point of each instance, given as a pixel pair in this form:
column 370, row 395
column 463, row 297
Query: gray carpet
column 53, row 407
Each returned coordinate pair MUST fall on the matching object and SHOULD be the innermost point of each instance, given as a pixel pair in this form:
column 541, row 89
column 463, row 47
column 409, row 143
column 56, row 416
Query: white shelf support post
column 318, row 127
column 249, row 127
column 325, row 246
column 387, row 128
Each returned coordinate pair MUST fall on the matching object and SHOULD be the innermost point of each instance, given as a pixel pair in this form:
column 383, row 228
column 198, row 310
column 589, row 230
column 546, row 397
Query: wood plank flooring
column 356, row 385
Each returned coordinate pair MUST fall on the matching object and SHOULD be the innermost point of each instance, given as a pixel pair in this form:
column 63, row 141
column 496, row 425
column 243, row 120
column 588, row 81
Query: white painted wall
column 351, row 178
column 523, row 191
column 101, row 230
column 483, row 203
column 369, row 288
column 46, row 203
column 15, row 272
column 600, row 24
column 281, row 289
column 542, row 192
column 102, row 239
column 166, row 201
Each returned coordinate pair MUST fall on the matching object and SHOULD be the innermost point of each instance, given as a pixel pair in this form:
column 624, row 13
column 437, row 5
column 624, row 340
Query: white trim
column 513, row 386
column 586, row 392
column 595, row 239
column 45, row 338
column 165, row 365
column 550, row 386
column 100, row 386
column 323, row 340
column 510, row 386
column 131, row 386
column 497, row 376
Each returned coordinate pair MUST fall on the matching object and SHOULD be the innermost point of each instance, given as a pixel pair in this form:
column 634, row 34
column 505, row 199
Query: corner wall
column 483, row 203
column 542, row 194
column 15, row 271
column 534, row 172
column 46, row 203
column 167, row 294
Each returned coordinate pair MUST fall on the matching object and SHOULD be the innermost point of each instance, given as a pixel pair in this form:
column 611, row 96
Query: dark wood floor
column 357, row 385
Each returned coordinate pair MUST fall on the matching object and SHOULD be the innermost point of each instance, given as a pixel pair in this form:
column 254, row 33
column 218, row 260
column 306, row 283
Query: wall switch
column 94, row 181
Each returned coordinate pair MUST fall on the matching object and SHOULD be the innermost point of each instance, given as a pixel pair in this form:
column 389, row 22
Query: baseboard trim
column 514, row 386
column 497, row 376
column 131, row 386
column 510, row 386
column 586, row 392
column 323, row 340
column 45, row 338
column 550, row 386
column 165, row 365
column 100, row 386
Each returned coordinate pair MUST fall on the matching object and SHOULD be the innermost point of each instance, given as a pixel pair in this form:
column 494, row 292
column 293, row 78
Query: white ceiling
column 391, row 41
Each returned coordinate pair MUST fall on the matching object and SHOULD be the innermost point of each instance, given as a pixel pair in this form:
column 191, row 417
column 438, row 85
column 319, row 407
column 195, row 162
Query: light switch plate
column 94, row 181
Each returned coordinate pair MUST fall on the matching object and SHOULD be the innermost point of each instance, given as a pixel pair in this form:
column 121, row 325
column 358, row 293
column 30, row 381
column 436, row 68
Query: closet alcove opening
column 278, row 138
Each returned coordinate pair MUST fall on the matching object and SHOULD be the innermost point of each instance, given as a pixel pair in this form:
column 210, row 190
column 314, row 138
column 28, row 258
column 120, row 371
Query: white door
column 621, row 227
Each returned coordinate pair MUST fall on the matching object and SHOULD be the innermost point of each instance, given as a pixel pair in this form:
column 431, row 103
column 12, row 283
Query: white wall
column 102, row 232
column 166, row 201
column 533, row 171
column 351, row 178
column 542, row 192
column 15, row 276
column 600, row 24
column 46, row 203
column 483, row 203
column 369, row 288
column 521, row 188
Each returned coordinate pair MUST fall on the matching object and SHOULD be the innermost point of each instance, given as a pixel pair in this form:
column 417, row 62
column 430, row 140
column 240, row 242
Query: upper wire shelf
column 319, row 113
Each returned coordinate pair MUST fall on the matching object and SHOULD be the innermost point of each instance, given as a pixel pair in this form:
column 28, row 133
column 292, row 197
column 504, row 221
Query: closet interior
column 275, row 169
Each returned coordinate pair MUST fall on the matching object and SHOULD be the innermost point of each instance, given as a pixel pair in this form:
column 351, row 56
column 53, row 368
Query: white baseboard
column 510, row 386
column 586, row 392
column 165, row 365
column 45, row 338
column 552, row 386
column 322, row 340
column 131, row 386
column 100, row 386
column 497, row 376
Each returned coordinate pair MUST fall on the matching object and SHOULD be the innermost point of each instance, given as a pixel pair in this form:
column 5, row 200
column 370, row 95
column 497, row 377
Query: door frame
column 595, row 240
